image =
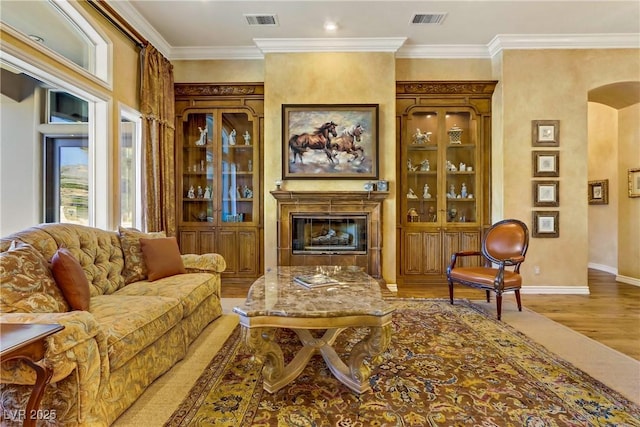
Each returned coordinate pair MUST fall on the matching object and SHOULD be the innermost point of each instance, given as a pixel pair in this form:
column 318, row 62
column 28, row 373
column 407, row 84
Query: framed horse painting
column 330, row 141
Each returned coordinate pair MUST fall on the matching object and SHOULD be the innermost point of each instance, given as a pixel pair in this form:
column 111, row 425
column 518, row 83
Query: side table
column 26, row 342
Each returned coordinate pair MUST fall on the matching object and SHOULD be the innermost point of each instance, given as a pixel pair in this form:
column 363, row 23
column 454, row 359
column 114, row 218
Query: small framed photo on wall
column 599, row 192
column 546, row 163
column 546, row 193
column 546, row 224
column 634, row 182
column 545, row 133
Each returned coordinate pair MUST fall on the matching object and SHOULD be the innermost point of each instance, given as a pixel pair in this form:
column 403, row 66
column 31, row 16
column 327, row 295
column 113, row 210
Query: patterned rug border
column 197, row 396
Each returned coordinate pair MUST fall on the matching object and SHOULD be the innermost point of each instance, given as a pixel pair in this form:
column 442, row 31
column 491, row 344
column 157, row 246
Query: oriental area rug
column 447, row 365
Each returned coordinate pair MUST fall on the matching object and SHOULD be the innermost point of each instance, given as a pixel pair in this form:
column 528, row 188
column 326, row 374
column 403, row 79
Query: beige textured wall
column 330, row 78
column 443, row 69
column 553, row 84
column 629, row 208
column 603, row 164
column 218, row 71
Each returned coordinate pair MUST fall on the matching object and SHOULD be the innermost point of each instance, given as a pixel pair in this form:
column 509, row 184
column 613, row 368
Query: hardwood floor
column 610, row 314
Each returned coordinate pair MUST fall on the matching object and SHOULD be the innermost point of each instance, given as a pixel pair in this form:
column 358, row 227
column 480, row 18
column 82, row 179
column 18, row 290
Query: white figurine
column 191, row 194
column 463, row 191
column 425, row 192
column 200, row 193
column 425, row 166
column 452, row 192
column 247, row 138
column 421, row 138
column 410, row 166
column 232, row 137
column 207, row 192
column 203, row 136
column 411, row 194
column 247, row 193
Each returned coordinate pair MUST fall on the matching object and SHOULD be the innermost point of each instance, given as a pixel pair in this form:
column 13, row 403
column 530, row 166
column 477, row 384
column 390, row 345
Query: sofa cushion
column 26, row 283
column 71, row 279
column 133, row 322
column 191, row 289
column 162, row 257
column 134, row 265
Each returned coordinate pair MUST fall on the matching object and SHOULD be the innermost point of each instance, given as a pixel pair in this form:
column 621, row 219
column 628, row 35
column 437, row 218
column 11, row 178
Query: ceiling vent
column 428, row 18
column 269, row 20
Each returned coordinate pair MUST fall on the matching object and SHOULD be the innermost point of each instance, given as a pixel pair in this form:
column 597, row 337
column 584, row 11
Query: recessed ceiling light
column 330, row 26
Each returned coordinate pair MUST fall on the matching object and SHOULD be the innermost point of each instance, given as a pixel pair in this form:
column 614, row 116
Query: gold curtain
column 157, row 108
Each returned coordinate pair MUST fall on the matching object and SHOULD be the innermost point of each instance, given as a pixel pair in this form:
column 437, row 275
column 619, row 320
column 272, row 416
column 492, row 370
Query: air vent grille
column 262, row 19
column 428, row 18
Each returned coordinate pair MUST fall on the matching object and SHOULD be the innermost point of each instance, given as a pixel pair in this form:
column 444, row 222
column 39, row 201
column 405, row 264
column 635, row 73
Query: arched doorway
column 614, row 147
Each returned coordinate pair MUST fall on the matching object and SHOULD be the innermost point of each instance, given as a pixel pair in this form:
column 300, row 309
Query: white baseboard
column 558, row 290
column 602, row 267
column 628, row 280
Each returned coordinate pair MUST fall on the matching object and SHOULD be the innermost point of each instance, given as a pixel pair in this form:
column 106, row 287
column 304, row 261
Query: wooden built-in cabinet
column 219, row 130
column 444, row 175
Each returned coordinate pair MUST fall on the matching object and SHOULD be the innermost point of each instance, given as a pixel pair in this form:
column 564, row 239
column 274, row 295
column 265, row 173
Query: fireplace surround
column 330, row 228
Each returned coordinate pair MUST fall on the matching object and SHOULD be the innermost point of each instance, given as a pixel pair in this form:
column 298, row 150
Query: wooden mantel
column 330, row 195
column 369, row 203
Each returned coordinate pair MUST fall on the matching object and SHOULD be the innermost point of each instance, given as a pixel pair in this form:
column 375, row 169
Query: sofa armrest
column 204, row 263
column 80, row 327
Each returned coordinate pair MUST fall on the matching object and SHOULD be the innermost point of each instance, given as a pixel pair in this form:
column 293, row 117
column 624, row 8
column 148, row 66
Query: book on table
column 315, row 280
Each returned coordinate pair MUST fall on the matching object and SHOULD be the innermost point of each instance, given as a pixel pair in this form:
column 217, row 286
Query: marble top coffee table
column 276, row 300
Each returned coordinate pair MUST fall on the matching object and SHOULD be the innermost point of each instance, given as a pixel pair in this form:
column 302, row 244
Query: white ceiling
column 217, row 29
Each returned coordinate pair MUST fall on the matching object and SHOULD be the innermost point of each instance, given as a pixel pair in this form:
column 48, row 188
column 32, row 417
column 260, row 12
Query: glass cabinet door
column 422, row 167
column 460, row 167
column 198, row 169
column 237, row 184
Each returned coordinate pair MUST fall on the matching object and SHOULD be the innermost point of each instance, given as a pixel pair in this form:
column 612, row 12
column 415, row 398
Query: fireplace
column 330, row 228
column 328, row 234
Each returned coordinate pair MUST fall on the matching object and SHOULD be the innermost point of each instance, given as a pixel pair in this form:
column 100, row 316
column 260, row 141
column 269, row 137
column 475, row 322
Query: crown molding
column 296, row 45
column 140, row 24
column 563, row 41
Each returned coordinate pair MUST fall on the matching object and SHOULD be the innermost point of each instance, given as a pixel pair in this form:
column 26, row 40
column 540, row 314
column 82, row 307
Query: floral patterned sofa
column 133, row 331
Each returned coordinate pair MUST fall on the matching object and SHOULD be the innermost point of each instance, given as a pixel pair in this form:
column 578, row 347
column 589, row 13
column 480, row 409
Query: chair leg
column 499, row 305
column 488, row 296
column 451, row 291
column 518, row 299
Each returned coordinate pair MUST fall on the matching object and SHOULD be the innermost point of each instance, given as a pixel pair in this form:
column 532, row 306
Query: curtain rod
column 114, row 17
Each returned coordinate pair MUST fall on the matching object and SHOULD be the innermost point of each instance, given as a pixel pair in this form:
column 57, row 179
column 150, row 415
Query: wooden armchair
column 504, row 245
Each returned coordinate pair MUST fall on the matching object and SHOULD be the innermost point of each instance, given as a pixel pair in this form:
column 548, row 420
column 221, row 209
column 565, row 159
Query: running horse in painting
column 347, row 141
column 320, row 139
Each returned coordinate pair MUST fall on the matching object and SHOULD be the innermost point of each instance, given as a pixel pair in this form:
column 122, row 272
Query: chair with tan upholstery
column 503, row 247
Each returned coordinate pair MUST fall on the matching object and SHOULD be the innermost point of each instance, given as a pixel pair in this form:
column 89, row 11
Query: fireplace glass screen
column 329, row 234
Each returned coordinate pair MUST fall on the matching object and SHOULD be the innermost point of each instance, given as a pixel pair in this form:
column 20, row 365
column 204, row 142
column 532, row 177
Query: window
column 130, row 168
column 62, row 107
column 67, row 33
column 66, row 185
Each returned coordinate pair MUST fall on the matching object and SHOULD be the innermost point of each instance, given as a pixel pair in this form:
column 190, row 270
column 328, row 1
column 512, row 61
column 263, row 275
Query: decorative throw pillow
column 134, row 266
column 71, row 279
column 162, row 257
column 26, row 283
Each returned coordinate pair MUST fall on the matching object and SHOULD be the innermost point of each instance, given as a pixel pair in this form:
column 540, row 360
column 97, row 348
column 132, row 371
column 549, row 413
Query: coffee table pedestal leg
column 355, row 375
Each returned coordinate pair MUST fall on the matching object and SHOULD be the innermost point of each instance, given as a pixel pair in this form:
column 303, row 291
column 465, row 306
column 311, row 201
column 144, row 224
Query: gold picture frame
column 599, row 192
column 546, row 193
column 545, row 163
column 330, row 141
column 634, row 182
column 545, row 133
column 546, row 224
